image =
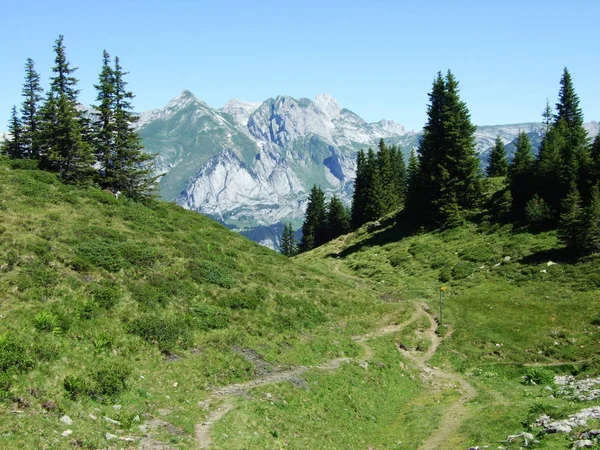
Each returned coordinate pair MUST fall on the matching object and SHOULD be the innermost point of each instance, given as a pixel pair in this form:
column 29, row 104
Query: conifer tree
column 358, row 203
column 413, row 188
column 520, row 172
column 399, row 169
column 549, row 167
column 103, row 125
column 65, row 151
column 575, row 152
column 571, row 229
column 32, row 93
column 591, row 223
column 548, row 117
column 389, row 198
column 132, row 167
column 338, row 219
column 448, row 162
column 315, row 221
column 372, row 189
column 595, row 161
column 15, row 146
column 498, row 165
column 288, row 241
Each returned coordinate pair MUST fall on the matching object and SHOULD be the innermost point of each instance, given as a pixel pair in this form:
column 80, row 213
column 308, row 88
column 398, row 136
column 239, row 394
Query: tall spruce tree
column 571, row 230
column 548, row 117
column 498, row 164
column 389, row 197
column 65, row 151
column 133, row 169
column 15, row 146
column 103, row 125
column 358, row 199
column 413, row 188
column 372, row 189
column 548, row 168
column 288, row 241
column 315, row 221
column 595, row 161
column 399, row 169
column 520, row 172
column 591, row 222
column 575, row 152
column 338, row 219
column 32, row 93
column 448, row 162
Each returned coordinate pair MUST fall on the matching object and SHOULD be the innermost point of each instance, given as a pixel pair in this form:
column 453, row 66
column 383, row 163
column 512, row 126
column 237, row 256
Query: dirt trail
column 456, row 413
column 452, row 419
column 227, row 393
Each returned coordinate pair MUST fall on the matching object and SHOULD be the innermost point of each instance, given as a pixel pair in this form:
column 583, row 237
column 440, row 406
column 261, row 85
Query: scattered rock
column 110, row 437
column 550, row 263
column 136, row 418
column 50, row 405
column 507, row 258
column 144, row 428
column 66, row 433
column 112, row 421
column 93, row 417
column 526, row 437
column 543, row 271
column 583, row 443
column 117, row 407
column 175, row 384
column 66, row 420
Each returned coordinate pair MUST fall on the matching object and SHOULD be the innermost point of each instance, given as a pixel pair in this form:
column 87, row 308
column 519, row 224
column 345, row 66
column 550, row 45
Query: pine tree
column 358, row 203
column 591, row 222
column 288, row 241
column 15, row 146
column 338, row 219
column 103, row 125
column 571, row 229
column 520, row 173
column 372, row 190
column 315, row 221
column 29, row 110
column 548, row 117
column 389, row 199
column 498, row 165
column 399, row 169
column 595, row 161
column 549, row 167
column 133, row 169
column 575, row 153
column 65, row 151
column 413, row 188
column 448, row 162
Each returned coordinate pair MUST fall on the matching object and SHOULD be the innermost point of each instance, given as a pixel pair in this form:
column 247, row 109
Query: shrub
column 242, row 300
column 97, row 253
column 210, row 317
column 14, row 355
column 47, row 321
column 110, row 380
column 36, row 274
column 148, row 295
column 139, row 254
column 45, row 349
column 206, row 272
column 75, row 386
column 106, row 294
column 538, row 375
column 463, row 269
column 398, row 259
column 296, row 314
column 480, row 254
column 24, row 164
column 102, row 341
column 166, row 332
column 86, row 310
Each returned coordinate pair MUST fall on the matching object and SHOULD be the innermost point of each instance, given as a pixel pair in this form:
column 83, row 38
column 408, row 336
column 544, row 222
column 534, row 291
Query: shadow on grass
column 383, row 231
column 560, row 255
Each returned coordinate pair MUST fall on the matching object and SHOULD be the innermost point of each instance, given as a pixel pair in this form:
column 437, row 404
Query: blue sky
column 378, row 57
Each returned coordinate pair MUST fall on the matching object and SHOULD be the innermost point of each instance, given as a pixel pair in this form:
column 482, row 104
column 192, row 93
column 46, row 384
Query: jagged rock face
column 250, row 164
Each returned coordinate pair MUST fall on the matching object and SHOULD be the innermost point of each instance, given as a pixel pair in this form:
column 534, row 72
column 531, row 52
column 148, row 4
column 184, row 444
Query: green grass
column 89, row 282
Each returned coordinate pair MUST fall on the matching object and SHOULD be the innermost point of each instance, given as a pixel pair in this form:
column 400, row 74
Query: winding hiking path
column 456, row 413
column 452, row 419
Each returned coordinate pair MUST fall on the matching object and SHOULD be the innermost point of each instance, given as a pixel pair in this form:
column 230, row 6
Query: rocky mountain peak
column 240, row 110
column 329, row 105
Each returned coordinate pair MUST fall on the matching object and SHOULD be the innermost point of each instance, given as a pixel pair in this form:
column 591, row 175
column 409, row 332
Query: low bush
column 167, row 333
column 296, row 314
column 106, row 294
column 75, row 386
column 206, row 272
column 249, row 299
column 209, row 317
column 109, row 381
column 537, row 376
column 463, row 269
column 14, row 354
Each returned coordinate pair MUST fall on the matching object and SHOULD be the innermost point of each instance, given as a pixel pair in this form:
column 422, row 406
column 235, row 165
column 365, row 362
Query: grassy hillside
column 107, row 302
column 188, row 335
column 517, row 311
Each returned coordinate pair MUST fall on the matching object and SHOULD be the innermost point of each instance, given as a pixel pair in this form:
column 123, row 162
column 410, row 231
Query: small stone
column 543, row 271
column 66, row 433
column 136, row 418
column 66, row 420
column 93, row 417
column 110, row 437
column 269, row 395
column 507, row 258
column 144, row 428
column 113, row 421
column 583, row 443
column 175, row 384
column 117, row 407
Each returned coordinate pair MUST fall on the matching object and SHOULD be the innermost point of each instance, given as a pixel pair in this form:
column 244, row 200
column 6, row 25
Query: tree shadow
column 383, row 231
column 561, row 255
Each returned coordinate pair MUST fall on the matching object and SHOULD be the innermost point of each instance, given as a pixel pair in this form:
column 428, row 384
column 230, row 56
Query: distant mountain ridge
column 252, row 164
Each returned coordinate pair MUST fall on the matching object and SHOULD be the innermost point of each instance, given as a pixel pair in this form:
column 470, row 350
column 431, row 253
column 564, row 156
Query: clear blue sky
column 377, row 57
